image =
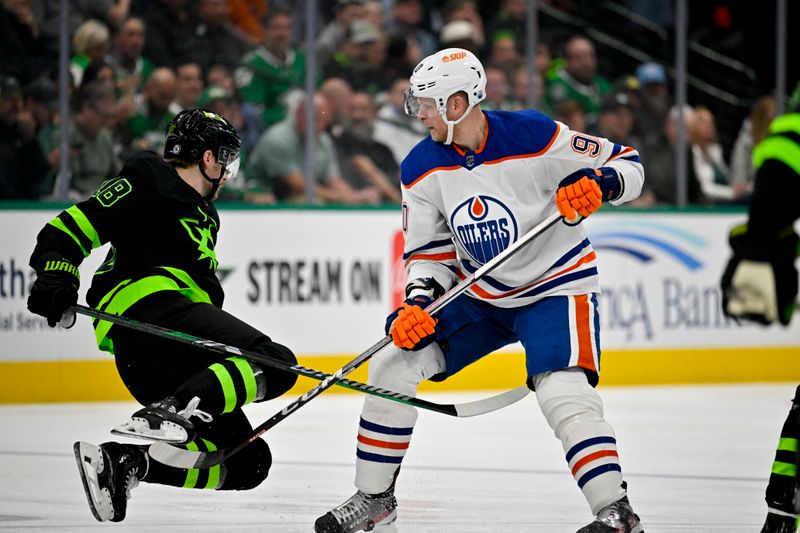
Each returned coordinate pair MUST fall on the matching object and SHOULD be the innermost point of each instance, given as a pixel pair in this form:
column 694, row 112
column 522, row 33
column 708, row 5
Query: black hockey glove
column 760, row 281
column 55, row 288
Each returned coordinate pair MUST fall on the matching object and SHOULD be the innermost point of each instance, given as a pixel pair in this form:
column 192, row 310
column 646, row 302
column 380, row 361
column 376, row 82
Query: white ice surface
column 695, row 458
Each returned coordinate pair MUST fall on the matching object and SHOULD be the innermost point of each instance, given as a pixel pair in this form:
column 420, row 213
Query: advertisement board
column 323, row 281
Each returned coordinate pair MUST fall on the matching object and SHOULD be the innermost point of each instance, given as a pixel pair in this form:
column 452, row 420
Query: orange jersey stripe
column 591, row 457
column 483, row 144
column 431, row 257
column 488, row 296
column 585, row 357
column 462, row 152
column 428, row 173
column 625, row 151
column 382, row 443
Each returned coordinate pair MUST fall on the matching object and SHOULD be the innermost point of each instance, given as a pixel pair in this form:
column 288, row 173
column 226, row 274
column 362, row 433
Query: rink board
column 322, row 281
column 95, row 380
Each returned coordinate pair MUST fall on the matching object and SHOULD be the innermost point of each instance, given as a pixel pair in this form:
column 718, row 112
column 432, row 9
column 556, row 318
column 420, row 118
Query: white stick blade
column 487, row 405
column 172, row 456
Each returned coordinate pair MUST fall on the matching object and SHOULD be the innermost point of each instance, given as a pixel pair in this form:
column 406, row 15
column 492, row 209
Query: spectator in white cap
column 459, row 34
column 467, row 11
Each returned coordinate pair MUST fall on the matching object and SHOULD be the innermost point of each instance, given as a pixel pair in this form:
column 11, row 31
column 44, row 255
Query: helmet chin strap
column 451, row 124
column 214, row 182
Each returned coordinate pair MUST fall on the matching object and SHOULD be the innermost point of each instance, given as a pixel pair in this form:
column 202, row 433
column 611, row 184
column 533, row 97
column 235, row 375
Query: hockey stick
column 475, row 408
column 164, row 453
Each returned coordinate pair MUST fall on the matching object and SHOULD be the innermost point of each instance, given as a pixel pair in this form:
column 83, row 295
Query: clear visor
column 229, row 158
column 419, row 107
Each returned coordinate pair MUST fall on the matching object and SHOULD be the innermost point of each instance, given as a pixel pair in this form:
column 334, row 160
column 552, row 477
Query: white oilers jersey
column 461, row 209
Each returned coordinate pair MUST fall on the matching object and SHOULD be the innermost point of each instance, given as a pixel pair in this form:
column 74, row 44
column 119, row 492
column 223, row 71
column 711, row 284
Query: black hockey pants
column 153, row 367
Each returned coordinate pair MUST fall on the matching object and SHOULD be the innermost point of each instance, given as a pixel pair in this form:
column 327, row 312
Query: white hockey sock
column 575, row 412
column 384, row 431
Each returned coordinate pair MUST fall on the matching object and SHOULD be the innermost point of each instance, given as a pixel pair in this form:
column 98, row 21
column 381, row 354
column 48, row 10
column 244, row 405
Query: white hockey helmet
column 442, row 75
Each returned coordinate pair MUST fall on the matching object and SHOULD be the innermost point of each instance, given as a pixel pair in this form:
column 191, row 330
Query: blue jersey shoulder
column 514, row 133
column 511, row 133
column 425, row 156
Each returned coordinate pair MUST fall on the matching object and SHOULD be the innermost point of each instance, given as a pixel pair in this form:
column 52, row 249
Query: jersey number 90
column 112, row 190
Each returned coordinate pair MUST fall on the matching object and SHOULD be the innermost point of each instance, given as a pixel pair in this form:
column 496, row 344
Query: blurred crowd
column 134, row 64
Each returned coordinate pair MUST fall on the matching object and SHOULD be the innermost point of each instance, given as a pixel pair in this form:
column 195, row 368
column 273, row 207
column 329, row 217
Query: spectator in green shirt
column 144, row 129
column 577, row 79
column 273, row 69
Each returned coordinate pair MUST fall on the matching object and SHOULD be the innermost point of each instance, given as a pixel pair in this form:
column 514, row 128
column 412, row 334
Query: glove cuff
column 57, row 264
column 427, row 287
column 610, row 182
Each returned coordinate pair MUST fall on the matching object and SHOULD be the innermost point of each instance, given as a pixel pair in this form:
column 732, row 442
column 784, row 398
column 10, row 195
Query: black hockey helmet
column 193, row 131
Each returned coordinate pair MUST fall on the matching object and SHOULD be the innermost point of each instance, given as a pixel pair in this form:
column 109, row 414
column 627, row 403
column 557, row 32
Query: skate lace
column 353, row 510
column 192, row 410
column 618, row 515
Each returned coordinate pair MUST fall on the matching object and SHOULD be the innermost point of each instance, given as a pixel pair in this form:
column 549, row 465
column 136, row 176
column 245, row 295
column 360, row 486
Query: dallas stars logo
column 200, row 232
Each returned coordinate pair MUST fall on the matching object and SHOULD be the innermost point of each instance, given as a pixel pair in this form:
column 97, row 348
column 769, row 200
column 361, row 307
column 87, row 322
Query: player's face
column 425, row 110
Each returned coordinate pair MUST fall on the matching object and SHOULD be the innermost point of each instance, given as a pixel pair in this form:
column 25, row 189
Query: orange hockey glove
column 410, row 326
column 584, row 191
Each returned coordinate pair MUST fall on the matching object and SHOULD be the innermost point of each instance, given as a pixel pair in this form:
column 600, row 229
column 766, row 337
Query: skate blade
column 388, row 524
column 89, row 457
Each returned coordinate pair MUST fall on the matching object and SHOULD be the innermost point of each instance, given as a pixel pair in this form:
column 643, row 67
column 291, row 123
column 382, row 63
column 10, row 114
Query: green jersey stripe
column 784, row 469
column 788, row 444
column 228, row 389
column 58, row 224
column 85, row 226
column 193, row 473
column 247, row 376
column 779, row 148
column 123, row 297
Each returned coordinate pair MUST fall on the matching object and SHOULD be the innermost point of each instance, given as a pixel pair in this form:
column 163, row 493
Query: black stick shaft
column 218, row 347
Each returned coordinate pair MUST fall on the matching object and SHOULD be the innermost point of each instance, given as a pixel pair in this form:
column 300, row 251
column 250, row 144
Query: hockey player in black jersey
column 760, row 284
column 158, row 214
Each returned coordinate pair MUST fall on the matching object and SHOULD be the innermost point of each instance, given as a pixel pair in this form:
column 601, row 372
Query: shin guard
column 575, row 412
column 384, row 431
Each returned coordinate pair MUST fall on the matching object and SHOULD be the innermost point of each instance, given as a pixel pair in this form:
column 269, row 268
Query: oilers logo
column 484, row 227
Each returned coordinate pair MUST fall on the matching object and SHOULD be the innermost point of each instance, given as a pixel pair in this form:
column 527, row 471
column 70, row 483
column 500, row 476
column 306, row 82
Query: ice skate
column 779, row 523
column 615, row 518
column 362, row 512
column 162, row 421
column 109, row 472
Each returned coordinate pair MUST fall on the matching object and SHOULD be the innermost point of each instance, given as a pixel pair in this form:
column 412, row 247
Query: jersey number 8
column 112, row 190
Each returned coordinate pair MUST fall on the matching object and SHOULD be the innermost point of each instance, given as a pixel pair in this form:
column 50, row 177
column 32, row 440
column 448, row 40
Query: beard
column 362, row 131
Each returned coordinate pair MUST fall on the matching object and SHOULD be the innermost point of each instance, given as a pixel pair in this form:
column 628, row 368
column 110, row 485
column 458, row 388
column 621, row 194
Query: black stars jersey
column 162, row 234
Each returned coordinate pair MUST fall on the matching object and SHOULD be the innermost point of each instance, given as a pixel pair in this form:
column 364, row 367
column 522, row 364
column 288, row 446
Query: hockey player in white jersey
column 481, row 180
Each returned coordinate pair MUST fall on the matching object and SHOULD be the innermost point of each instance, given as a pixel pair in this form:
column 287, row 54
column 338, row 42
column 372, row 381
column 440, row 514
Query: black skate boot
column 779, row 523
column 362, row 512
column 109, row 472
column 162, row 421
column 615, row 518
